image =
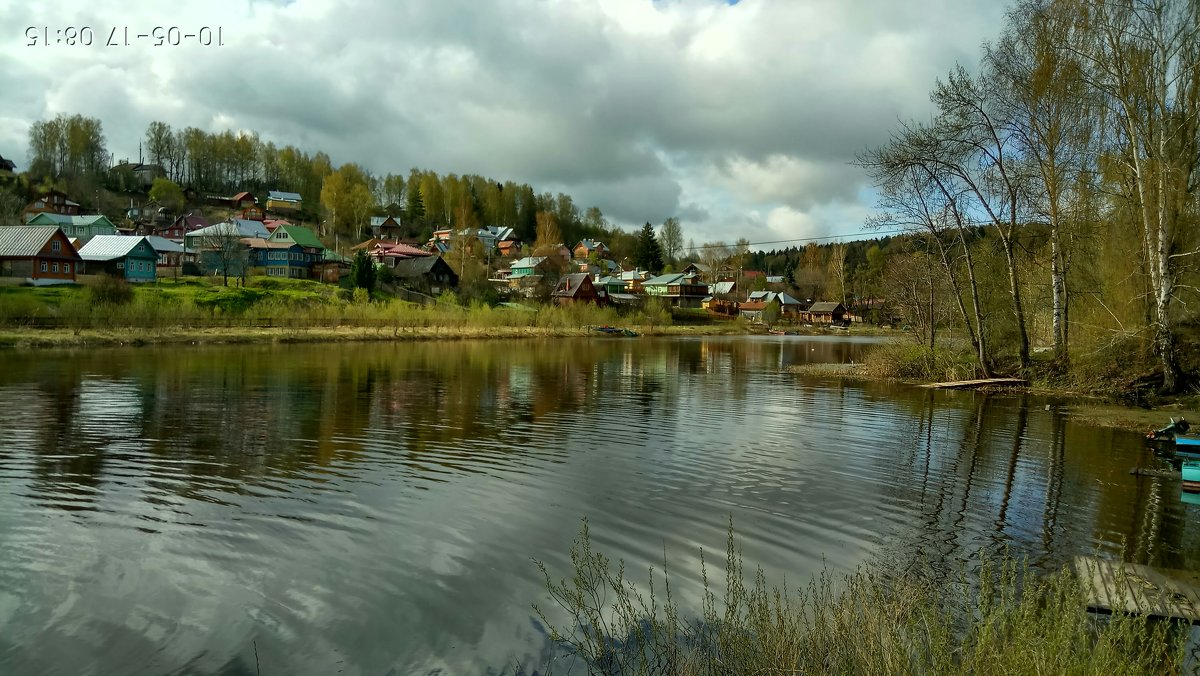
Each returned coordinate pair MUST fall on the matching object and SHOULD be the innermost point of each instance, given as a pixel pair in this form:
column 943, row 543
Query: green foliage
column 647, row 254
column 1007, row 619
column 111, row 290
column 167, row 193
column 362, row 271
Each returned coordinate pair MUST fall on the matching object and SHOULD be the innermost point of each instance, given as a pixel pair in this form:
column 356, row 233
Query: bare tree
column 225, row 250
column 1143, row 56
column 670, row 238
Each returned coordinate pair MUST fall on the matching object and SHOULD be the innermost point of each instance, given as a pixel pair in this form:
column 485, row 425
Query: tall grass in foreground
column 904, row 360
column 1007, row 620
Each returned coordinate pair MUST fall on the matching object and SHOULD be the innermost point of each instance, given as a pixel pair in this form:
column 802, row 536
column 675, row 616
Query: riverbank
column 24, row 338
column 1089, row 407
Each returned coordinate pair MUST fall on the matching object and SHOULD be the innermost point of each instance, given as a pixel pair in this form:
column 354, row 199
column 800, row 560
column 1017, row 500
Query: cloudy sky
column 741, row 118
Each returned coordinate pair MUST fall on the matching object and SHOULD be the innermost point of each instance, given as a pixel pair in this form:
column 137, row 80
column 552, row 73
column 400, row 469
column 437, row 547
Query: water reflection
column 373, row 508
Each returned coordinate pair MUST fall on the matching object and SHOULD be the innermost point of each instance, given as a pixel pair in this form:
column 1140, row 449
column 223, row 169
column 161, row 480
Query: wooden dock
column 967, row 384
column 1116, row 587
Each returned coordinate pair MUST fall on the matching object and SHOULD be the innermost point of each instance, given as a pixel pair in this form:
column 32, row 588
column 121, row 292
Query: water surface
column 369, row 509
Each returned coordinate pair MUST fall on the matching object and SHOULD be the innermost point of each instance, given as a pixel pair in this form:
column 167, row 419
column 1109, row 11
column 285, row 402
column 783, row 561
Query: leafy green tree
column 362, row 271
column 647, row 254
column 167, row 193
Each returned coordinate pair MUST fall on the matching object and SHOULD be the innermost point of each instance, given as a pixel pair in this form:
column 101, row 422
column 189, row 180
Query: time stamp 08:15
column 123, row 36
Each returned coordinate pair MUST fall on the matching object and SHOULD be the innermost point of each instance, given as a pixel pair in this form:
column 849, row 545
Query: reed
column 1005, row 619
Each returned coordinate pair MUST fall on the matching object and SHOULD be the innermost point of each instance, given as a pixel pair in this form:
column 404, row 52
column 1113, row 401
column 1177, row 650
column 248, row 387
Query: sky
column 741, row 118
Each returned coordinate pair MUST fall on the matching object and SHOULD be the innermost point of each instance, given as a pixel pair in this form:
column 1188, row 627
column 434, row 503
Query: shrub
column 111, row 290
column 912, row 361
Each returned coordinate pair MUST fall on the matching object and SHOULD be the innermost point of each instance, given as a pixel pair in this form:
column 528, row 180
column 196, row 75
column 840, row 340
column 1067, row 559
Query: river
column 376, row 508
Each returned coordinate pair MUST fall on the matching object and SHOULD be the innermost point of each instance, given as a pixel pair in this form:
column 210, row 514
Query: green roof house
column 82, row 228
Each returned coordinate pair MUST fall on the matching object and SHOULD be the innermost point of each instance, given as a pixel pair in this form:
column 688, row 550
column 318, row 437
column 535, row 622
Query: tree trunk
column 1014, row 289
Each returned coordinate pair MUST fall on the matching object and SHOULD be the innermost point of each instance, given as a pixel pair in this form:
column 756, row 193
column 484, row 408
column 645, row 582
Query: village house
column 132, row 258
column 280, row 258
column 609, row 284
column 826, row 312
column 587, row 247
column 679, row 289
column 40, row 255
column 279, row 201
column 386, row 227
column 633, row 280
column 427, row 274
column 171, row 255
column 82, row 228
column 235, row 229
column 137, row 174
column 243, row 200
column 388, row 254
column 576, row 288
column 8, row 168
column 787, row 306
column 53, row 202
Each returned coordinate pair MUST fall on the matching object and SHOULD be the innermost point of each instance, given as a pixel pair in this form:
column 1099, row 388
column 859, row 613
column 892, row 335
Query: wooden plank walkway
column 963, row 384
column 1113, row 586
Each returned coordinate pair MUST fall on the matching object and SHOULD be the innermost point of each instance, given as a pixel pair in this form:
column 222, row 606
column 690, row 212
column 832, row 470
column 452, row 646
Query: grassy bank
column 269, row 310
column 1006, row 620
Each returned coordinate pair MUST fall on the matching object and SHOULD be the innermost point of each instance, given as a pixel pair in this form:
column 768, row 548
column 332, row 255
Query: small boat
column 1177, row 428
column 1190, row 470
column 616, row 331
column 777, row 332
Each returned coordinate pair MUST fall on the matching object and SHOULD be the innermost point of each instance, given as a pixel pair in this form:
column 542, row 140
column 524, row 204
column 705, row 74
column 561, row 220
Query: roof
column 108, row 247
column 163, row 245
column 283, row 196
column 825, row 306
column 303, row 236
column 753, row 305
column 25, row 240
column 572, row 283
column 238, row 227
column 401, row 250
column 377, row 221
column 528, row 262
column 242, row 196
column 605, row 281
column 702, row 267
column 193, row 221
column 774, row 279
column 668, row 279
column 7, row 165
column 723, row 287
column 589, row 244
column 414, row 267
column 260, row 243
column 63, row 219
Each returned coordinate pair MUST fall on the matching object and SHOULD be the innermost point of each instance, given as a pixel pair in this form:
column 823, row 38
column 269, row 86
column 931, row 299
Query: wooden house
column 826, row 312
column 282, row 258
column 39, row 254
column 428, row 274
column 286, row 202
column 679, row 289
column 587, row 247
column 171, row 254
column 82, row 228
column 132, row 258
column 242, row 200
column 386, row 227
column 576, row 288
column 51, row 202
column 8, row 168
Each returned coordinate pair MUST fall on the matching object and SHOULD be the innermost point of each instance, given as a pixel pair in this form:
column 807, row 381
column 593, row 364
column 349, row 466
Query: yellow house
column 283, row 201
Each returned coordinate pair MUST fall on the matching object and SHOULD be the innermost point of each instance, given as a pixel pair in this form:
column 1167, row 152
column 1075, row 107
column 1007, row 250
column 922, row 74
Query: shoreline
column 39, row 339
column 1089, row 409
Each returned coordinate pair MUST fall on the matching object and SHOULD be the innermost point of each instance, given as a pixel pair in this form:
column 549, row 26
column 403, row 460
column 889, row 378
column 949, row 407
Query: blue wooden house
column 132, row 258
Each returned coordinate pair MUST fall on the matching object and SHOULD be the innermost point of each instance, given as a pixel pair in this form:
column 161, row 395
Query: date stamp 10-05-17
column 123, row 36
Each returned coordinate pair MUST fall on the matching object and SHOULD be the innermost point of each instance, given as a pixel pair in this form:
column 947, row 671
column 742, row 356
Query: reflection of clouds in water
column 109, row 408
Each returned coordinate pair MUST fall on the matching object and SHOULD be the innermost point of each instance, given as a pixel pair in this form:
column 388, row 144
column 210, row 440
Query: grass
column 904, row 360
column 1007, row 619
column 271, row 310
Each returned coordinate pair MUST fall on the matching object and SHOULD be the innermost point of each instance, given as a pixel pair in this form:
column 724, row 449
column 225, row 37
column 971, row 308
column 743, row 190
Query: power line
column 787, row 241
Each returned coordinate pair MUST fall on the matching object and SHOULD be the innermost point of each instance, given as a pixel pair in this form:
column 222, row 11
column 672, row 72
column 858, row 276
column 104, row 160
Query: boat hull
column 1190, row 471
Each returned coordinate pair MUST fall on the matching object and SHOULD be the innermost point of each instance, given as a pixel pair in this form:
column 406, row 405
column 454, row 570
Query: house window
column 44, row 266
column 54, row 267
column 66, row 267
column 56, row 245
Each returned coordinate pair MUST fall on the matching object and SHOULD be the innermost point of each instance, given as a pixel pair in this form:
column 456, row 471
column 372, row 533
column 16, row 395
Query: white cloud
column 645, row 108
